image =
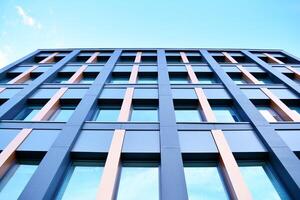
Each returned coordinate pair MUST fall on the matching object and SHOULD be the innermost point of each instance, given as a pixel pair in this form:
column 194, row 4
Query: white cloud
column 28, row 20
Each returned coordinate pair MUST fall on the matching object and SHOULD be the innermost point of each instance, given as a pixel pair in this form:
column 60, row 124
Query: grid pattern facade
column 165, row 111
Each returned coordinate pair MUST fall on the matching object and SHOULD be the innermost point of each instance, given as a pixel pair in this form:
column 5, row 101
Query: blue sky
column 32, row 24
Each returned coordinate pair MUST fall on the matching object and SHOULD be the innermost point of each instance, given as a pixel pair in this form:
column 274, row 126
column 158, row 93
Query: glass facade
column 28, row 113
column 204, row 182
column 144, row 114
column 107, row 114
column 15, row 180
column 225, row 114
column 187, row 114
column 261, row 182
column 269, row 114
column 82, row 180
column 138, row 182
column 147, row 80
column 63, row 114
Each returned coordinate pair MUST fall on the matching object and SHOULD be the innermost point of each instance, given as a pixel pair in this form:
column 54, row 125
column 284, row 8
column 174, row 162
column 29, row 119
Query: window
column 87, row 80
column 204, row 182
column 119, row 79
column 263, row 78
column 15, row 180
column 295, row 109
column 262, row 182
column 82, row 180
column 178, row 79
column 187, row 114
column 139, row 182
column 28, row 113
column 206, row 78
column 269, row 114
column 63, row 114
column 61, row 79
column 144, row 114
column 147, row 79
column 107, row 114
column 225, row 114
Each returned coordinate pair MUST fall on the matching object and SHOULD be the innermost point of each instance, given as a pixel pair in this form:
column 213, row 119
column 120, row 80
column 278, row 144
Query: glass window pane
column 204, row 183
column 107, row 115
column 81, row 182
column 119, row 80
column 28, row 113
column 270, row 114
column 147, row 80
column 239, row 80
column 62, row 114
column 139, row 183
column 87, row 80
column 262, row 183
column 15, row 180
column 142, row 114
column 188, row 115
column 225, row 114
column 178, row 80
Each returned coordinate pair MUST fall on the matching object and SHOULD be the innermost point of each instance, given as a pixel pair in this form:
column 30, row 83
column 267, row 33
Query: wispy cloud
column 28, row 20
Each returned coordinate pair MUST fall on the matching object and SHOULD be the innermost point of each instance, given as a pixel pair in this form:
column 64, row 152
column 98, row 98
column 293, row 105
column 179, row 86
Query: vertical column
column 284, row 161
column 46, row 179
column 172, row 179
column 233, row 177
column 108, row 184
column 276, row 103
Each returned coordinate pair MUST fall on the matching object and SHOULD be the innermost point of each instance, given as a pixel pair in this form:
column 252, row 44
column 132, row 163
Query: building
column 150, row 124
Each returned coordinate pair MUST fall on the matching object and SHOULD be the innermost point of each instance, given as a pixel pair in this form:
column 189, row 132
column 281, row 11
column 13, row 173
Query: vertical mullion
column 108, row 185
column 172, row 179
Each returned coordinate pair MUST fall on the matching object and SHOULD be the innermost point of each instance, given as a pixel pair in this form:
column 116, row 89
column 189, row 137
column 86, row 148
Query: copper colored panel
column 250, row 78
column 134, row 74
column 297, row 73
column 2, row 89
column 184, row 57
column 191, row 74
column 126, row 106
column 206, row 109
column 24, row 76
column 237, row 186
column 78, row 75
column 138, row 57
column 281, row 108
column 229, row 58
column 110, row 175
column 51, row 106
column 8, row 156
column 93, row 58
column 49, row 59
column 272, row 59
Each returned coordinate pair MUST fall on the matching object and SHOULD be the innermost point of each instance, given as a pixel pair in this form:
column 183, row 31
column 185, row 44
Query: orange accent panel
column 272, row 59
column 234, row 179
column 50, row 107
column 248, row 75
column 110, row 175
column 134, row 74
column 138, row 57
column 126, row 106
column 281, row 108
column 206, row 109
column 78, row 75
column 49, row 59
column 184, row 57
column 2, row 89
column 229, row 58
column 8, row 156
column 24, row 76
column 297, row 73
column 93, row 58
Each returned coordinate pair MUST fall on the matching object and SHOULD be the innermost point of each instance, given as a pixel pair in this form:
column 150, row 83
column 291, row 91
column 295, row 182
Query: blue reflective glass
column 295, row 109
column 119, row 80
column 204, row 182
column 225, row 114
column 206, row 79
column 262, row 183
column 147, row 80
column 62, row 114
column 61, row 79
column 87, row 80
column 188, row 114
column 179, row 80
column 239, row 80
column 15, row 180
column 265, row 80
column 28, row 113
column 268, row 113
column 107, row 115
column 82, row 182
column 138, row 183
column 144, row 114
